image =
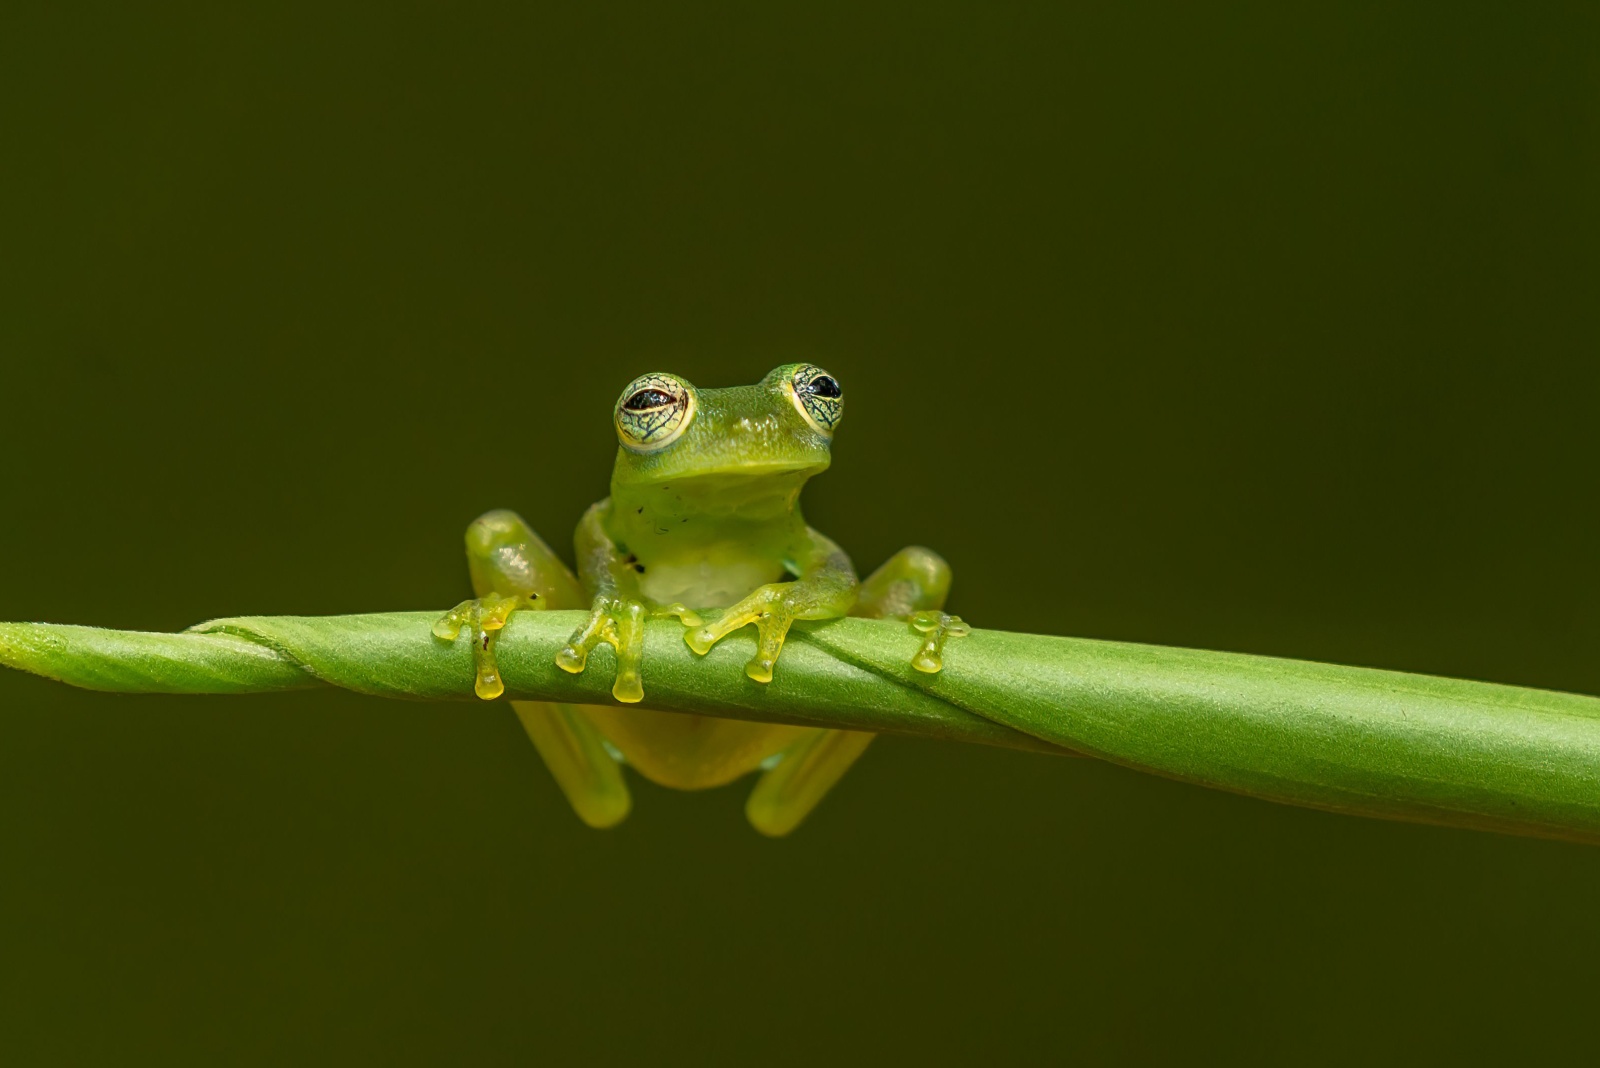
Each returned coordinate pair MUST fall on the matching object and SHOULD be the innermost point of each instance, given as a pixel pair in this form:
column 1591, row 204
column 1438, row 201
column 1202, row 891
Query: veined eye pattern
column 818, row 396
column 653, row 411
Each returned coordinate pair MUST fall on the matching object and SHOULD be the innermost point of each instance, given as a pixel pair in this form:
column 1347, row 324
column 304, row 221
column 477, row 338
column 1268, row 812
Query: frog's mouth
column 760, row 469
column 758, row 477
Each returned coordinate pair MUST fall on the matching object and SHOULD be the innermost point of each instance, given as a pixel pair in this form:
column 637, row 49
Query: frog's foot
column 484, row 618
column 619, row 623
column 771, row 609
column 935, row 627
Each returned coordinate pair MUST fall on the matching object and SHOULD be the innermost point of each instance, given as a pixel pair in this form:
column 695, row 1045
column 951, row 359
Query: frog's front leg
column 913, row 582
column 617, row 612
column 513, row 569
column 825, row 589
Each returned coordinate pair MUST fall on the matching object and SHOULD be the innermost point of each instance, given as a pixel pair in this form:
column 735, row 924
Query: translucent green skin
column 705, row 521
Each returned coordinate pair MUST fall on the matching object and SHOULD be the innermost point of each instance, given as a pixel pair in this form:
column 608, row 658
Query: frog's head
column 778, row 431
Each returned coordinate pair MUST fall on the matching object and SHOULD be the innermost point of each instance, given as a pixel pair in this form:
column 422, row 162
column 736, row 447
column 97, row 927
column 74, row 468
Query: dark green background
column 1230, row 326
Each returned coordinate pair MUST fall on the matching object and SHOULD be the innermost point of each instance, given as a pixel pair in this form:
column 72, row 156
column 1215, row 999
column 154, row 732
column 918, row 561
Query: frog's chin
column 754, row 492
column 758, row 478
column 753, row 477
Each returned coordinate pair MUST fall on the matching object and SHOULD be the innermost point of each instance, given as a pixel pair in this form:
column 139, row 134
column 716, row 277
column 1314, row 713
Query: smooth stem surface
column 1374, row 743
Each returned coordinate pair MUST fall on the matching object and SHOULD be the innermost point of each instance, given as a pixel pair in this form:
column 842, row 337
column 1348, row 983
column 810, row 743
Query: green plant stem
column 1356, row 740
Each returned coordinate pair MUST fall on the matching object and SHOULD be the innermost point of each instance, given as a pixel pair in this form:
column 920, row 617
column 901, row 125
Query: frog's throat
column 754, row 493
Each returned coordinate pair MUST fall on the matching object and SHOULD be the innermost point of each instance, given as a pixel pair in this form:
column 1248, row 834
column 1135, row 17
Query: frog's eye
column 818, row 396
column 653, row 411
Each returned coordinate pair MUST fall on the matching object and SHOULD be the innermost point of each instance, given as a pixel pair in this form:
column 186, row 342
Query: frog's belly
column 689, row 752
column 709, row 581
column 677, row 749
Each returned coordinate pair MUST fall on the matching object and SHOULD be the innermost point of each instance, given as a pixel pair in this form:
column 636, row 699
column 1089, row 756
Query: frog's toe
column 571, row 659
column 771, row 630
column 935, row 627
column 686, row 615
column 448, row 626
column 628, row 686
column 700, row 639
column 601, row 626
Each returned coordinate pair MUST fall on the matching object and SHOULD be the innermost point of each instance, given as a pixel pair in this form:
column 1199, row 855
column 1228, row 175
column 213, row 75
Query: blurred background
column 1241, row 326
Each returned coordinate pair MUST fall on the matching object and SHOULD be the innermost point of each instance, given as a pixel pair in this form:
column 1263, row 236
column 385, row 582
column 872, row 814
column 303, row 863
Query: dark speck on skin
column 639, row 568
column 639, row 510
column 486, row 639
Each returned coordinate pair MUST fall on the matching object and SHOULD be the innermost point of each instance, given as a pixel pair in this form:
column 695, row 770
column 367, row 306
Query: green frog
column 703, row 524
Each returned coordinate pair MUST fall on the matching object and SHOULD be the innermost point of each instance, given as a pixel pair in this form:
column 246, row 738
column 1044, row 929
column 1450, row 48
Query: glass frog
column 704, row 524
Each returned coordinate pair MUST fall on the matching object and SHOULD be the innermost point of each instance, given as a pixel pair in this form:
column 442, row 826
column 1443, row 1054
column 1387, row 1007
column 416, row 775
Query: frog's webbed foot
column 935, row 626
column 484, row 617
column 619, row 623
column 771, row 608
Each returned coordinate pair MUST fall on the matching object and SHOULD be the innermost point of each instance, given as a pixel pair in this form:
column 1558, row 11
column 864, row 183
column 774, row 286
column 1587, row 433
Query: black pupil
column 823, row 386
column 646, row 399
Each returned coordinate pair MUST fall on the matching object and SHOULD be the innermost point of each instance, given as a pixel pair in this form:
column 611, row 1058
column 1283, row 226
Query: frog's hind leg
column 509, row 561
column 912, row 585
column 913, row 581
column 578, row 760
column 804, row 773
